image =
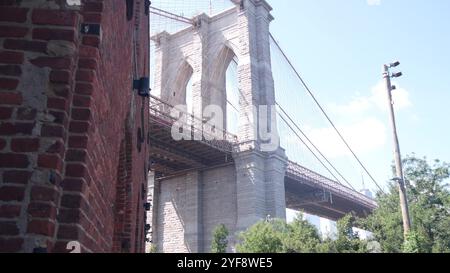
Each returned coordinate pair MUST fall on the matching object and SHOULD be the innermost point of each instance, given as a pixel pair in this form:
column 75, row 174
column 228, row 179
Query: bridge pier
column 260, row 187
column 187, row 207
column 190, row 205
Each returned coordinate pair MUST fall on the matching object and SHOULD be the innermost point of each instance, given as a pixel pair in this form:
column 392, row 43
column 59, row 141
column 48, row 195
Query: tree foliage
column 300, row 236
column 220, row 239
column 347, row 241
column 263, row 237
column 429, row 203
column 411, row 244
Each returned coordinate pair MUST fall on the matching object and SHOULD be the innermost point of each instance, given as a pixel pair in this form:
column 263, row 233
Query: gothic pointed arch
column 179, row 87
column 225, row 89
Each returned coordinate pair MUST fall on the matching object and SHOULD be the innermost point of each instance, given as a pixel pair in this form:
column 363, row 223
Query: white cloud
column 364, row 136
column 355, row 106
column 362, row 121
column 400, row 97
column 377, row 100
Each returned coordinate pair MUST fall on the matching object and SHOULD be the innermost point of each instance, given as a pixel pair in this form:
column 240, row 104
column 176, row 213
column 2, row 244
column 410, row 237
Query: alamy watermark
column 209, row 125
column 74, row 247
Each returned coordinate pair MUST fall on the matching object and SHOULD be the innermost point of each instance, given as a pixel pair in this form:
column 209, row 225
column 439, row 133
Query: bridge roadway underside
column 169, row 157
column 301, row 196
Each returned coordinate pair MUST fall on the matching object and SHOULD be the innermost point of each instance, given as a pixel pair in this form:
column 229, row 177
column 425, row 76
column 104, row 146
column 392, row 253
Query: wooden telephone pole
column 398, row 159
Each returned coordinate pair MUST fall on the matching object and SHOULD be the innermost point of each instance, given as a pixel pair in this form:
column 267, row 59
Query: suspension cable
column 315, row 147
column 321, row 162
column 170, row 15
column 324, row 113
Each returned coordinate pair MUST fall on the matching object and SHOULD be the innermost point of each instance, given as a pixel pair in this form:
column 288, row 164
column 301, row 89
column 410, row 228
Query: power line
column 315, row 147
column 323, row 111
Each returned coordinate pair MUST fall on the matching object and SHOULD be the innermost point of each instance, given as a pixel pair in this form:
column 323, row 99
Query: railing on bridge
column 161, row 113
column 295, row 171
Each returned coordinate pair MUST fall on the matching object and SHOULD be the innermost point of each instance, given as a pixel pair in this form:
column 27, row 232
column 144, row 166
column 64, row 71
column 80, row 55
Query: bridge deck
column 318, row 195
column 169, row 156
column 305, row 190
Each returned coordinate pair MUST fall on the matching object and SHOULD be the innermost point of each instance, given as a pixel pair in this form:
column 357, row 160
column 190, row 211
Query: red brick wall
column 72, row 165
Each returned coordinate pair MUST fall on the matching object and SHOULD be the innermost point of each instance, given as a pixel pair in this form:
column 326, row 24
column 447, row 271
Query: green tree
column 429, row 203
column 152, row 249
column 386, row 221
column 220, row 241
column 429, row 199
column 263, row 237
column 347, row 240
column 301, row 237
column 411, row 244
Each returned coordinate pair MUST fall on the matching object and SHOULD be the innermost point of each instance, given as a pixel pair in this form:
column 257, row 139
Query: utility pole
column 398, row 160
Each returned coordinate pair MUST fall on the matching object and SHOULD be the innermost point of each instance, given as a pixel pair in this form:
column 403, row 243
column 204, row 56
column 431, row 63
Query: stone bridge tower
column 187, row 207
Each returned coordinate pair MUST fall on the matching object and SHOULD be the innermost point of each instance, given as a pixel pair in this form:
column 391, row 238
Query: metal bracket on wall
column 142, row 86
column 147, row 4
column 92, row 29
column 130, row 7
column 139, row 139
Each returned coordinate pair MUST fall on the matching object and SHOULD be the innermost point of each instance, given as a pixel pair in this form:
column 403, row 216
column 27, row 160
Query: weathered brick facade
column 73, row 133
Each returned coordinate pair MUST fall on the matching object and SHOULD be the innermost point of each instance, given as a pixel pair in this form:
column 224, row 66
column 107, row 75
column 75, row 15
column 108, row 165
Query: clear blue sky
column 339, row 47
